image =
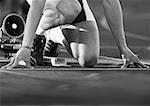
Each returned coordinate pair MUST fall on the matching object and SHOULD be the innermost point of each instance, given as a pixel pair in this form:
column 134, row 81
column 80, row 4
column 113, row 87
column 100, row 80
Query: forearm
column 33, row 18
column 113, row 12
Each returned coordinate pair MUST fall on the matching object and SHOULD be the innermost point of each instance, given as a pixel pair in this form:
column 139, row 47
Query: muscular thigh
column 70, row 9
column 57, row 13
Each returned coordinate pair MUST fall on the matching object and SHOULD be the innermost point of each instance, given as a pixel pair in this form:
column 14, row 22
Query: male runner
column 81, row 41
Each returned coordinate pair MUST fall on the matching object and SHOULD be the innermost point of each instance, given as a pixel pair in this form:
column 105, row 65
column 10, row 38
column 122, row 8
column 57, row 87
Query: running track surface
column 102, row 85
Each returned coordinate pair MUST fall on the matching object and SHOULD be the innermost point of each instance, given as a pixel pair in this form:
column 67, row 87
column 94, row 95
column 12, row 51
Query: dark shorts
column 82, row 16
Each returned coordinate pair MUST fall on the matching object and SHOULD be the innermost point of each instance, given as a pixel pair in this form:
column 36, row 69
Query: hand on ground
column 130, row 58
column 23, row 55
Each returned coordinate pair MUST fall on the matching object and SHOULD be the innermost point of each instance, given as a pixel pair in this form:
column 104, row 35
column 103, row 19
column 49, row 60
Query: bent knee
column 88, row 61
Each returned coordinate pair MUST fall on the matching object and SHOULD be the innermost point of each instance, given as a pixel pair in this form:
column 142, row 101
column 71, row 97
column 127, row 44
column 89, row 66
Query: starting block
column 56, row 61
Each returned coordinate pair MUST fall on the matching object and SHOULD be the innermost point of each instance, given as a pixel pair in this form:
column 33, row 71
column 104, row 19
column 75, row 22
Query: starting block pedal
column 56, row 61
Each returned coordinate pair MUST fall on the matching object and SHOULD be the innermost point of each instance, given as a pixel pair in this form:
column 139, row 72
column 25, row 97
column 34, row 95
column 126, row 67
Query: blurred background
column 136, row 21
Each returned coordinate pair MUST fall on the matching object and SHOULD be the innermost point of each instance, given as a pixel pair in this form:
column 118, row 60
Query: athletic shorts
column 82, row 16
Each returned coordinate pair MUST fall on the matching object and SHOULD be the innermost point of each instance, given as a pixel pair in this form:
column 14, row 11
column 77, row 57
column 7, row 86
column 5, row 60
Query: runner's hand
column 130, row 58
column 23, row 55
